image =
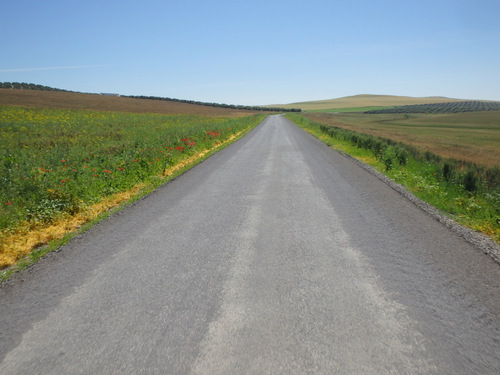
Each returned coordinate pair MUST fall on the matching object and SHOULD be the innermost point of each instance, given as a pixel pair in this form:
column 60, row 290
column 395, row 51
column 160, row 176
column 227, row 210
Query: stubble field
column 472, row 136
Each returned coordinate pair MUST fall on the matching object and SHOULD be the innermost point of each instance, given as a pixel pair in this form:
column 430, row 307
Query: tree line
column 221, row 105
column 27, row 86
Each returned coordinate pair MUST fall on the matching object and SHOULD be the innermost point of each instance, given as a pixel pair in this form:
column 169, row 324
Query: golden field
column 469, row 136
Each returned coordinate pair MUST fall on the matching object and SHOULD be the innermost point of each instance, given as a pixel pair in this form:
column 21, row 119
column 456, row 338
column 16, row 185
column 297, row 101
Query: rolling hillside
column 74, row 100
column 366, row 101
column 454, row 107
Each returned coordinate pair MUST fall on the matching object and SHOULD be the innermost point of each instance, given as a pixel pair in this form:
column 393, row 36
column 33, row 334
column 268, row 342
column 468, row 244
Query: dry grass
column 96, row 102
column 472, row 136
column 366, row 101
column 27, row 237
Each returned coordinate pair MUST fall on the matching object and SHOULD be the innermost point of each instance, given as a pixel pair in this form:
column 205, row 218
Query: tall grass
column 60, row 161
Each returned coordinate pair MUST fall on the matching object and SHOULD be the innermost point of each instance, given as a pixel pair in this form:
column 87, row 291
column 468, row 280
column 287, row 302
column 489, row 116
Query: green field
column 56, row 160
column 55, row 163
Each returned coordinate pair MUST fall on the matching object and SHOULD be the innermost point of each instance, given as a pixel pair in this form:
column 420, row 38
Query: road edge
column 480, row 240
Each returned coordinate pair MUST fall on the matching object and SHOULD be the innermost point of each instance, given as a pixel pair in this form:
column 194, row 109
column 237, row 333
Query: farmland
column 356, row 102
column 31, row 94
column 454, row 107
column 57, row 163
column 471, row 136
column 96, row 102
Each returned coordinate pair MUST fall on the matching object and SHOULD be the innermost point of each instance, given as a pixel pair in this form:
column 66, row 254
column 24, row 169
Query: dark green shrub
column 470, row 181
column 401, row 155
column 447, row 171
column 389, row 157
column 493, row 177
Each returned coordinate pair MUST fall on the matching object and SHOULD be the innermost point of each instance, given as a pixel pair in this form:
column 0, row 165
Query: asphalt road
column 275, row 256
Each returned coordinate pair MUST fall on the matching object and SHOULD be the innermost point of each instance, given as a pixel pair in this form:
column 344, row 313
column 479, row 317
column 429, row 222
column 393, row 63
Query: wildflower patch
column 60, row 165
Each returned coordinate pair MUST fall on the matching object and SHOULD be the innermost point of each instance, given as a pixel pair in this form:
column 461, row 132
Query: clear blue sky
column 255, row 52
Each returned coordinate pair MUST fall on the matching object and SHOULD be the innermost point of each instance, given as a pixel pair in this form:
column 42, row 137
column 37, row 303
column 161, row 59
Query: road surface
column 277, row 255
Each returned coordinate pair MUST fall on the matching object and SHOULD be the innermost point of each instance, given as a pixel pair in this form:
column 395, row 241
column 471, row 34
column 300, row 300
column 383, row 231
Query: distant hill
column 34, row 98
column 366, row 100
column 27, row 86
column 75, row 100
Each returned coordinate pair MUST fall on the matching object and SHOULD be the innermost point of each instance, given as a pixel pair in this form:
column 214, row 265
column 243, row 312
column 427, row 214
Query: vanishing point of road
column 276, row 255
